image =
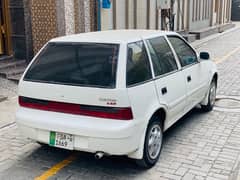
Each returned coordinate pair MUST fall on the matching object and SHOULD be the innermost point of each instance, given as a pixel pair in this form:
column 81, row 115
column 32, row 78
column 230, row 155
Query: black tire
column 147, row 161
column 211, row 102
column 40, row 143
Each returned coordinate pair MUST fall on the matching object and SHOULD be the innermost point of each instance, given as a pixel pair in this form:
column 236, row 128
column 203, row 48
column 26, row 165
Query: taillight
column 118, row 113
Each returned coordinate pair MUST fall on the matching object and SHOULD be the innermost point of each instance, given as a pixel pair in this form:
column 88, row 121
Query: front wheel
column 211, row 97
column 152, row 144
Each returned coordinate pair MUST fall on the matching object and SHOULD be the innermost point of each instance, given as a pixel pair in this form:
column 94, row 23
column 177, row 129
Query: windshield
column 86, row 64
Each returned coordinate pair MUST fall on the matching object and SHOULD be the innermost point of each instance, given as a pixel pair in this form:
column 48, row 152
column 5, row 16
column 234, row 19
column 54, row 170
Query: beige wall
column 152, row 14
column 221, row 11
column 141, row 7
column 199, row 14
column 51, row 18
column 120, row 18
column 130, row 14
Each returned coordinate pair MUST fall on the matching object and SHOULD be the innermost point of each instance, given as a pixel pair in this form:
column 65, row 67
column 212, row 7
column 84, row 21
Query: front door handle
column 189, row 78
column 164, row 90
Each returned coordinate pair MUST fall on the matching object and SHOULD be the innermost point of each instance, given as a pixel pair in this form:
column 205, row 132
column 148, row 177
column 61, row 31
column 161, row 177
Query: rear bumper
column 113, row 137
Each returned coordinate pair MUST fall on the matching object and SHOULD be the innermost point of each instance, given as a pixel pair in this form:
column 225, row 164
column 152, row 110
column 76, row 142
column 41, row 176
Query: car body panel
column 74, row 94
column 115, row 137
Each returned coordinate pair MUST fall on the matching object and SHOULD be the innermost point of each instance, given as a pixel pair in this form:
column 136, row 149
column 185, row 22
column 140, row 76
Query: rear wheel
column 211, row 97
column 42, row 144
column 152, row 144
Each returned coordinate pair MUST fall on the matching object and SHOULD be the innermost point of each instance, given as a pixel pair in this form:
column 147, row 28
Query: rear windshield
column 89, row 64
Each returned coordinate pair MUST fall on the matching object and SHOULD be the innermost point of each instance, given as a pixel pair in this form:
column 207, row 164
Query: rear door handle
column 189, row 78
column 164, row 90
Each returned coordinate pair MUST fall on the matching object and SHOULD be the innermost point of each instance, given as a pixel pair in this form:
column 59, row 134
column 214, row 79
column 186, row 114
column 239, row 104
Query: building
column 52, row 18
column 193, row 16
column 26, row 25
column 199, row 14
column 15, row 33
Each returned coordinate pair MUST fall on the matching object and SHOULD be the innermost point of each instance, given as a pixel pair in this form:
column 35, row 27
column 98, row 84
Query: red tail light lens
column 117, row 113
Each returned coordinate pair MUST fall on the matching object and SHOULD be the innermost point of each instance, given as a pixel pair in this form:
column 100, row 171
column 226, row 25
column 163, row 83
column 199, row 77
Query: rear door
column 139, row 82
column 193, row 71
column 169, row 80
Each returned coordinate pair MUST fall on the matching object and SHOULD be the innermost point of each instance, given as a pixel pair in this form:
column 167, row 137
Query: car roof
column 112, row 36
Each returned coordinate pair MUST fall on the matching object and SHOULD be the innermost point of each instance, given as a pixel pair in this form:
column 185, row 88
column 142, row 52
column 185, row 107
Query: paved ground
column 199, row 146
column 7, row 88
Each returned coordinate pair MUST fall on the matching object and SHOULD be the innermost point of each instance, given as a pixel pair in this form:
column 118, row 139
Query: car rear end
column 69, row 97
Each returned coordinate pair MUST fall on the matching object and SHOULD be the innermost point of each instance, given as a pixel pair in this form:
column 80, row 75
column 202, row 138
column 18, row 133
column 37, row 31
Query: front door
column 169, row 80
column 191, row 69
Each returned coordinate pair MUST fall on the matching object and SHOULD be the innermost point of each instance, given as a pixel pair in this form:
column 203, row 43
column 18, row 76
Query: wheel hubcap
column 212, row 94
column 154, row 141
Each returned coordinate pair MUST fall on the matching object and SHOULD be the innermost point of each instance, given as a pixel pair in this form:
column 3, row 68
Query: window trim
column 196, row 54
column 174, row 52
column 167, row 74
column 150, row 58
column 176, row 60
column 150, row 65
column 140, row 83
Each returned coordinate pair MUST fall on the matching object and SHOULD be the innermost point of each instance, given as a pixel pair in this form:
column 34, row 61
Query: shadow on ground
column 86, row 166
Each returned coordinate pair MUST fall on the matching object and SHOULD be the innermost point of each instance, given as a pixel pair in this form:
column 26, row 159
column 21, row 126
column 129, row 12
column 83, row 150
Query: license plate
column 61, row 140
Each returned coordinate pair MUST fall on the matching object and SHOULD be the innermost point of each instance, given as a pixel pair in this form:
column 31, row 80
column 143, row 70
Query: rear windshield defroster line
column 77, row 64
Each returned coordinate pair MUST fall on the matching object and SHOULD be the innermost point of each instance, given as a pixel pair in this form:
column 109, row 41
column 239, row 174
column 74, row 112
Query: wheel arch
column 162, row 114
column 215, row 77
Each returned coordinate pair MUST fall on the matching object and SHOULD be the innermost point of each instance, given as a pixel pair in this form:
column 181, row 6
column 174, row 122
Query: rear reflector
column 117, row 113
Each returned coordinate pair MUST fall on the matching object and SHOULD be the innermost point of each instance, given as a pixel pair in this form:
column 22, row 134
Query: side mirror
column 204, row 55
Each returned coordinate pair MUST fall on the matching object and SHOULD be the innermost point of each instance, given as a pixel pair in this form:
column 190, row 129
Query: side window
column 138, row 67
column 162, row 56
column 184, row 52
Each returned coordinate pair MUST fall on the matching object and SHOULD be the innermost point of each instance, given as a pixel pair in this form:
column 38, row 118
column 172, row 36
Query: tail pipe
column 99, row 155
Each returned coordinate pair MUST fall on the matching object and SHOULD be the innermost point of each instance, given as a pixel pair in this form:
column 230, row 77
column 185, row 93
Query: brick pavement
column 199, row 146
column 7, row 88
column 229, row 76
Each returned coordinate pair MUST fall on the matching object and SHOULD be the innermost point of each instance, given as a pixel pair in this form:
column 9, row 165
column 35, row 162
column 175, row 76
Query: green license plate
column 61, row 140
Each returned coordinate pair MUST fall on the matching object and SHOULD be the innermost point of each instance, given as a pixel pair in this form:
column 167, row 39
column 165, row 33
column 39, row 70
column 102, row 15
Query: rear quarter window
column 88, row 64
column 138, row 66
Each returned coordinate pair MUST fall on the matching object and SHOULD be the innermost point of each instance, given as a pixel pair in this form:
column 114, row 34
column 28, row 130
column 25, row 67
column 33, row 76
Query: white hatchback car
column 113, row 92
